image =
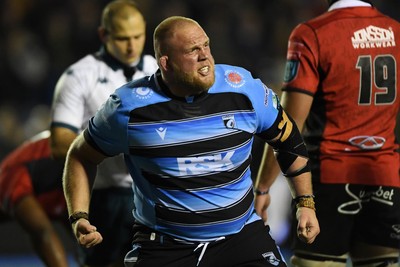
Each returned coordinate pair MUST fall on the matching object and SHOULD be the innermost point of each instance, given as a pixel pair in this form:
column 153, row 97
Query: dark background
column 39, row 39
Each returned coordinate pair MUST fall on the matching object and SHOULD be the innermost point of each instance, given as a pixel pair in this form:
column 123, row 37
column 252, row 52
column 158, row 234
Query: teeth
column 204, row 69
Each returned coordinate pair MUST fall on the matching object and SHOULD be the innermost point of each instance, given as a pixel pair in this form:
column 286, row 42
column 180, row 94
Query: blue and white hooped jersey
column 190, row 160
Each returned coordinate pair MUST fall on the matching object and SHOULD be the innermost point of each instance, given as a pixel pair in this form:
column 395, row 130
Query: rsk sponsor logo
column 205, row 164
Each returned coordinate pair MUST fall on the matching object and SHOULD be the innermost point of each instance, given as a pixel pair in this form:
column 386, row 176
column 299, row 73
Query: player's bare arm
column 78, row 179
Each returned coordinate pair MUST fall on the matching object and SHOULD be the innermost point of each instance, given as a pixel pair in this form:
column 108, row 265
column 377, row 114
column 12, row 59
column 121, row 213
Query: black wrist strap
column 78, row 215
column 260, row 193
column 305, row 168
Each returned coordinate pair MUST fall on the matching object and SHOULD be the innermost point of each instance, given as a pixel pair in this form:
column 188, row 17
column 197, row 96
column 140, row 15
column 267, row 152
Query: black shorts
column 111, row 212
column 354, row 213
column 253, row 246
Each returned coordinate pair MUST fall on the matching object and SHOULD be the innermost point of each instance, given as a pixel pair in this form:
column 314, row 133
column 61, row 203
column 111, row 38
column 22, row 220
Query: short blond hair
column 122, row 9
column 165, row 30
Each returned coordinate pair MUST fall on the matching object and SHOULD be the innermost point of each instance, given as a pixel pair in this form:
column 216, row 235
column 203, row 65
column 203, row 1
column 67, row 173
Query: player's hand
column 86, row 234
column 261, row 204
column 308, row 226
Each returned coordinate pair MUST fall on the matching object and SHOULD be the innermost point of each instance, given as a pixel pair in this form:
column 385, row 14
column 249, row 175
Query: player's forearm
column 77, row 186
column 301, row 184
column 78, row 179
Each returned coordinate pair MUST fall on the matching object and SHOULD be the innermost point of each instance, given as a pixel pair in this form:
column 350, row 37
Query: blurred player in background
column 341, row 86
column 79, row 93
column 31, row 193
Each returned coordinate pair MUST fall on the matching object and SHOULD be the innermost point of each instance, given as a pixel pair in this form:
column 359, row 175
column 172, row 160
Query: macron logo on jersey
column 373, row 37
column 161, row 132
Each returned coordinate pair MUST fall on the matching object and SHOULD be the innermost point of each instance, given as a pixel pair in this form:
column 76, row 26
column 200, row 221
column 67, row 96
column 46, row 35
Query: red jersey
column 348, row 59
column 30, row 170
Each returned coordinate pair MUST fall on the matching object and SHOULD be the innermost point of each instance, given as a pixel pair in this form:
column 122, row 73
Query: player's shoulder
column 85, row 62
column 344, row 14
column 84, row 66
column 231, row 72
column 36, row 143
column 317, row 25
column 227, row 66
column 40, row 136
column 235, row 74
column 235, row 79
column 314, row 24
column 138, row 93
column 144, row 84
column 32, row 149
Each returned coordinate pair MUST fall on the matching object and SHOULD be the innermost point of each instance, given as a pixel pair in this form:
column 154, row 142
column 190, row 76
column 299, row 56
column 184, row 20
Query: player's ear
column 102, row 34
column 164, row 63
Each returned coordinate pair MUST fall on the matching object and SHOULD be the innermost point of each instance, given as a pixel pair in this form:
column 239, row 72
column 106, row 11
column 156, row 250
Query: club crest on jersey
column 293, row 60
column 142, row 92
column 234, row 79
column 271, row 258
column 229, row 121
column 291, row 68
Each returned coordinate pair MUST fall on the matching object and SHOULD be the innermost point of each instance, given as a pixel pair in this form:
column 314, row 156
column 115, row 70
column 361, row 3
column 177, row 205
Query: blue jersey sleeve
column 263, row 99
column 267, row 109
column 108, row 128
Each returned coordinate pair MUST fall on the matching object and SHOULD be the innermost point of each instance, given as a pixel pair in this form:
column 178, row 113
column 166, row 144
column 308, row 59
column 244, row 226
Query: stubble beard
column 192, row 84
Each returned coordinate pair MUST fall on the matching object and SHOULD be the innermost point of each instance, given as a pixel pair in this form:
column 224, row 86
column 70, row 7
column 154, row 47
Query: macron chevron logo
column 161, row 132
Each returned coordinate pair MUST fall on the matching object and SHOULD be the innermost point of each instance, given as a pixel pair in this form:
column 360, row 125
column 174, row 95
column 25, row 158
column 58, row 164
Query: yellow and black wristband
column 306, row 201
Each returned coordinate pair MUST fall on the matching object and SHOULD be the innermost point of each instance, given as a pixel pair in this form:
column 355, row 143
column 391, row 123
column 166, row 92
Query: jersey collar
column 112, row 62
column 348, row 3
